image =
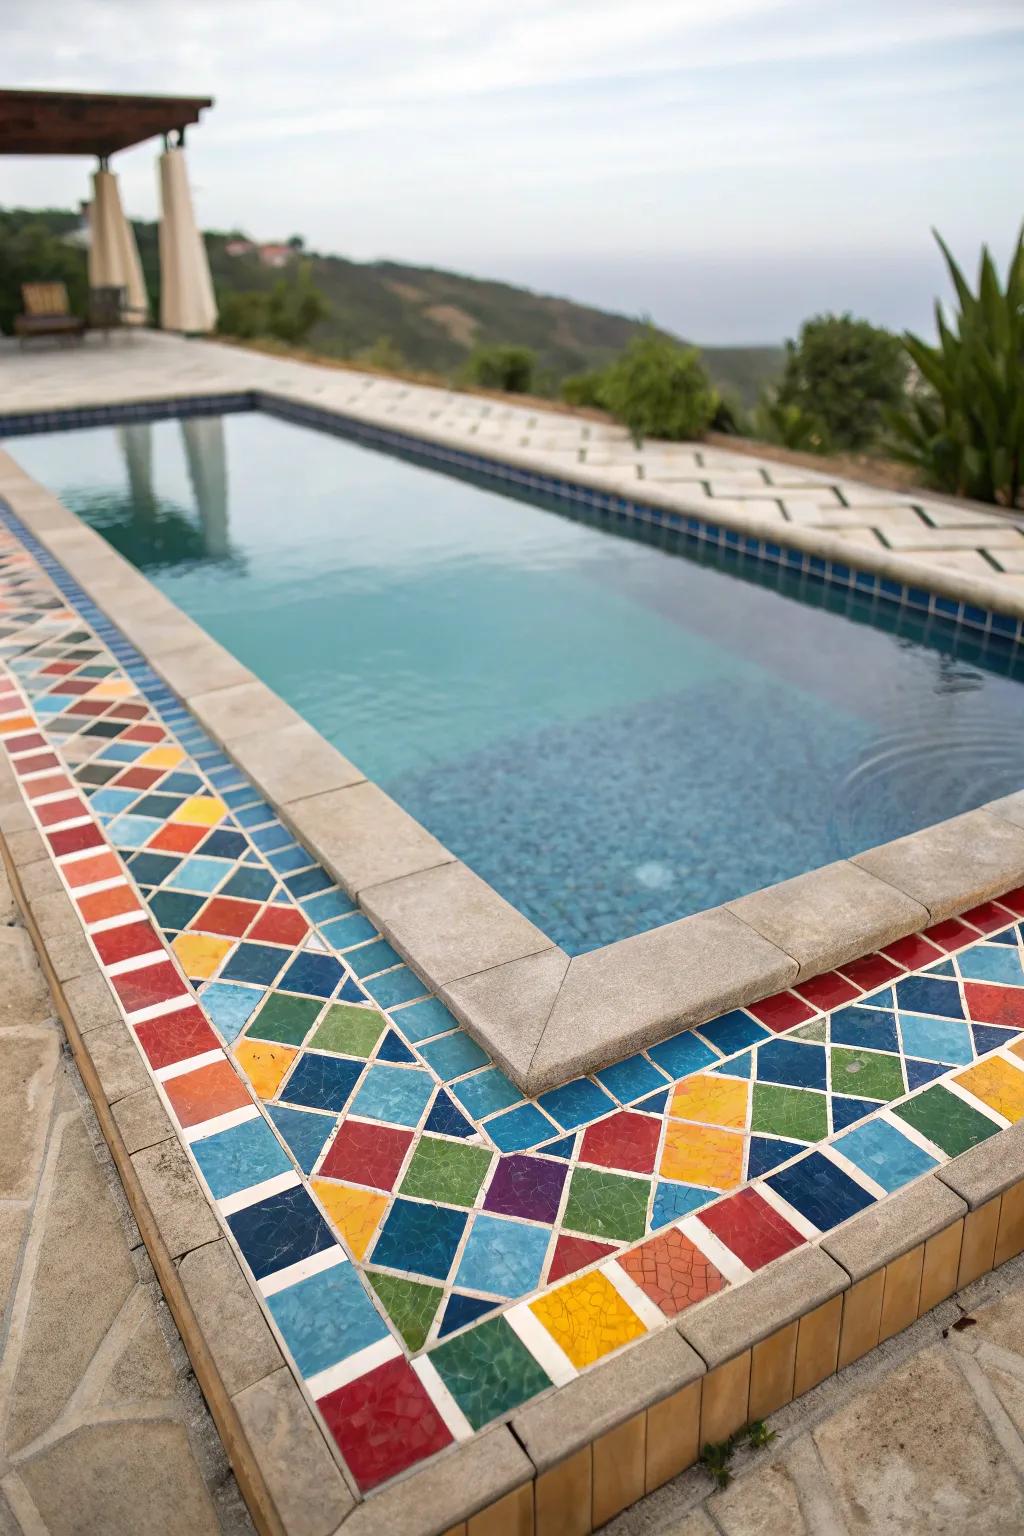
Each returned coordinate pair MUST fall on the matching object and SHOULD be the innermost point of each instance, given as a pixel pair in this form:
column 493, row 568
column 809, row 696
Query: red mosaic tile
column 177, row 838
column 101, row 866
column 871, row 971
column 59, row 668
column 989, row 1004
column 912, row 952
column 175, row 1037
column 672, row 1271
column 625, row 1141
column 27, row 737
column 830, row 990
column 366, row 1154
column 952, row 934
column 575, row 1253
column 129, row 712
column 1014, row 900
column 226, row 915
column 126, row 942
column 75, row 840
column 144, row 733
column 76, row 686
column 384, row 1422
column 281, row 925
column 213, row 1090
column 34, row 763
column 988, row 917
column 89, row 707
column 781, row 1011
column 61, row 810
column 51, row 785
column 147, row 986
column 139, row 778
column 754, row 1231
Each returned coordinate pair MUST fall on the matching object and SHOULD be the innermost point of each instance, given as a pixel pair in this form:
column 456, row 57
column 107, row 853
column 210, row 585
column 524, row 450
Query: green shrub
column 507, row 368
column 658, row 389
column 788, row 425
column 385, row 355
column 288, row 311
column 963, row 424
column 841, row 375
column 585, row 389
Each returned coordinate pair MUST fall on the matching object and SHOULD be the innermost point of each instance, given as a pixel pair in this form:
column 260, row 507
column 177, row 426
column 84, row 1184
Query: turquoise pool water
column 612, row 734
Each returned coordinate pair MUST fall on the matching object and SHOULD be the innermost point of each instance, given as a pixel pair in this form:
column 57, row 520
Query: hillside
column 434, row 318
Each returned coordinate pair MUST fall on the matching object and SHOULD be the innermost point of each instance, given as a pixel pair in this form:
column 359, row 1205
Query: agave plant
column 963, row 424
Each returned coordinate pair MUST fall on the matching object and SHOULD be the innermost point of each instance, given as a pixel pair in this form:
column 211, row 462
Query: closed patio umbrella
column 113, row 253
column 186, row 289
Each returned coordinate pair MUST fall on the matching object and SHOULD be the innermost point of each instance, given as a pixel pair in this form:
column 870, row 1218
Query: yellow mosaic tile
column 113, row 688
column 996, row 1084
column 264, row 1064
column 161, row 757
column 200, row 954
column 356, row 1213
column 702, row 1154
column 201, row 811
column 587, row 1318
column 711, row 1100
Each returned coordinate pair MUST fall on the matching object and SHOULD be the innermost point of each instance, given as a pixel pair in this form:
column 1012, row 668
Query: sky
column 728, row 167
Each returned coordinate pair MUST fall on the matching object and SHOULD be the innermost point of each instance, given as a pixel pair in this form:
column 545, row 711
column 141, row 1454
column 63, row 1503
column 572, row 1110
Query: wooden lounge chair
column 47, row 313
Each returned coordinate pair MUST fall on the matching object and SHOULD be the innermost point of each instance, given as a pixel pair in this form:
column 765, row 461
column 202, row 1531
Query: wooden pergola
column 88, row 123
column 101, row 124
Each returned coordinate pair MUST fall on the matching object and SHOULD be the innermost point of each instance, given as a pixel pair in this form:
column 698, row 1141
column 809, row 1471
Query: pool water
column 612, row 733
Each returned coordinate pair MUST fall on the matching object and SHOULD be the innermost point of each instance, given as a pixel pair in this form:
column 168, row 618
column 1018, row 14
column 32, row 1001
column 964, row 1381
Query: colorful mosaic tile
column 432, row 1248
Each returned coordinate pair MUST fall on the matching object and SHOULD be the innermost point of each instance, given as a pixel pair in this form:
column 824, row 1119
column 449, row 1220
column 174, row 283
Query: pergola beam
column 87, row 123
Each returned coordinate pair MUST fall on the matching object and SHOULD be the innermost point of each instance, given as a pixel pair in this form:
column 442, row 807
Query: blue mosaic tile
column 394, row 987
column 765, row 1153
column 631, row 1079
column 306, row 1134
column 931, row 1039
column 454, row 1055
column 446, row 1120
column 847, row 1111
column 368, row 959
column 258, row 963
column 422, row 1021
column 322, row 1082
column 461, row 1310
column 672, row 1201
column 280, row 1230
column 865, row 1027
column 393, row 1048
column 820, row 1191
column 503, row 1257
column 985, row 963
column 879, row 1150
column 733, row 1031
column 315, row 975
column 928, row 994
column 230, row 1008
column 420, row 1239
column 793, row 1064
column 682, row 1054
column 576, row 1103
column 237, row 1158
column 520, row 1128
column 396, row 1095
column 326, row 1318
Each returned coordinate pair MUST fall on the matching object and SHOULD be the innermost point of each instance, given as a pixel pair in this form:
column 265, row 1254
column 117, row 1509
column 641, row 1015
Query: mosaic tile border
column 607, row 1302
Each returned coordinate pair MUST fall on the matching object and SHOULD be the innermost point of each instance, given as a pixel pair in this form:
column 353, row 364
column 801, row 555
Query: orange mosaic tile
column 208, row 1091
column 90, row 871
column 264, row 1064
column 703, row 1155
column 355, row 1212
column 99, row 905
column 672, row 1271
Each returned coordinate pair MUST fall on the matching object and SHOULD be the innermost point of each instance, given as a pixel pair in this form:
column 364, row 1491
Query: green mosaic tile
column 815, row 1030
column 446, row 1171
column 410, row 1305
column 867, row 1074
column 488, row 1371
column 948, row 1121
column 285, row 1019
column 350, row 1031
column 607, row 1205
column 796, row 1112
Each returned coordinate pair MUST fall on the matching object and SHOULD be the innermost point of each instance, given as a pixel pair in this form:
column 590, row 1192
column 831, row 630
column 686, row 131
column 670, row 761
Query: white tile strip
column 442, row 1399
column 530, row 1331
column 356, row 1365
column 281, row 1279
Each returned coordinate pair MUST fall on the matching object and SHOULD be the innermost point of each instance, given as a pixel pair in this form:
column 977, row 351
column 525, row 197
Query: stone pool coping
column 569, row 1461
column 543, row 1016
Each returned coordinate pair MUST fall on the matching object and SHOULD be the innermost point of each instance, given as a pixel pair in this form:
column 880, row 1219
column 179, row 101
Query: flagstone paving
column 432, row 1249
column 102, row 1428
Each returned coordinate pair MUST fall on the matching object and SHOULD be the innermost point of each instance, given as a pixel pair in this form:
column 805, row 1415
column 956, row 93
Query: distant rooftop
column 88, row 123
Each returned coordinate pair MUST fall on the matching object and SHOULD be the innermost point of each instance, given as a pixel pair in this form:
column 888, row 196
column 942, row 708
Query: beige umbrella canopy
column 186, row 289
column 113, row 253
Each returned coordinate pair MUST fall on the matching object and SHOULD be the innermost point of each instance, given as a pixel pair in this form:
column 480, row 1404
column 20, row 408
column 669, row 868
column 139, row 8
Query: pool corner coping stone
column 896, row 1225
column 773, row 1297
column 578, row 1014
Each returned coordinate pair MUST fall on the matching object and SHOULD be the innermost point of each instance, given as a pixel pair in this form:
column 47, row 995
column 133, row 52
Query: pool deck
column 423, row 1294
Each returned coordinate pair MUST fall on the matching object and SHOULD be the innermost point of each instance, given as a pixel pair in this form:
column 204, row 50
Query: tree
column 507, row 368
column 659, row 389
column 295, row 243
column 841, row 375
column 288, row 312
column 963, row 424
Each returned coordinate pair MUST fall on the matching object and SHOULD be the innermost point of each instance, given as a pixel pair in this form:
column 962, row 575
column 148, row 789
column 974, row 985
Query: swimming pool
column 610, row 733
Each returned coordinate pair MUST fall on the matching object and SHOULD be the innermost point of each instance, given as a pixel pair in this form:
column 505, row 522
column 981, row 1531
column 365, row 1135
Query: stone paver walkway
column 977, row 544
column 103, row 1431
column 923, row 1437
